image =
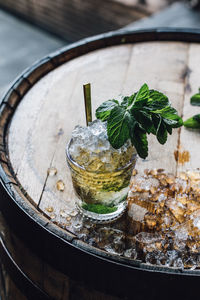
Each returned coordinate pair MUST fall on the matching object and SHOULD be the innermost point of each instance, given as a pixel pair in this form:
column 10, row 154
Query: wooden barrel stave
column 48, row 279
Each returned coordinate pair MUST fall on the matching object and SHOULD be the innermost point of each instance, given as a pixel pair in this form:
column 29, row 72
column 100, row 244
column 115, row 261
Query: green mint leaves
column 104, row 110
column 195, row 99
column 193, row 122
column 144, row 112
column 118, row 126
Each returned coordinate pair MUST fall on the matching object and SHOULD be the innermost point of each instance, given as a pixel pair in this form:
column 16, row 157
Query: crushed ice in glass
column 91, row 149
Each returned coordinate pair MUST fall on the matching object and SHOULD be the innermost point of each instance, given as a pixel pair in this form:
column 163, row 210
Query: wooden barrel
column 47, row 249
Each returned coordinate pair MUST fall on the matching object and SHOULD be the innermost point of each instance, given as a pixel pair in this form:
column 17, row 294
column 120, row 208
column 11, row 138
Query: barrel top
column 46, row 103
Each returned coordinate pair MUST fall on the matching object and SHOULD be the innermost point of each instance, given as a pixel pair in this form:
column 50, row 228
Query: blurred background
column 30, row 29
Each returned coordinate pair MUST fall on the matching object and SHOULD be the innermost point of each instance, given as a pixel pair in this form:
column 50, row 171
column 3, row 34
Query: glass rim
column 97, row 172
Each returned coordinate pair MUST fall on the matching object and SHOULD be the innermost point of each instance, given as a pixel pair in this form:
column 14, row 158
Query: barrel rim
column 51, row 62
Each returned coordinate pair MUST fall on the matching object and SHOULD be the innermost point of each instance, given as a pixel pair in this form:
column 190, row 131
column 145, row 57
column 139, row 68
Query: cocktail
column 100, row 173
column 101, row 156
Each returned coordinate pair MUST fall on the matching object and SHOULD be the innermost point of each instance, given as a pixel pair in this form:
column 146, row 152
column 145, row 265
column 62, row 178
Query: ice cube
column 60, row 185
column 52, row 171
column 177, row 209
column 131, row 253
column 49, row 209
column 181, row 232
column 137, row 212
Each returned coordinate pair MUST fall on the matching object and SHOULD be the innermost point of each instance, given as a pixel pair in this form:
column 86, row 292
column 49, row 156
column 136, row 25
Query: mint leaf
column 131, row 99
column 171, row 122
column 170, row 116
column 168, row 128
column 161, row 132
column 197, row 118
column 156, row 121
column 195, row 99
column 174, row 122
column 165, row 111
column 127, row 101
column 104, row 110
column 193, row 122
column 141, row 96
column 144, row 119
column 139, row 139
column 118, row 126
column 158, row 96
column 157, row 100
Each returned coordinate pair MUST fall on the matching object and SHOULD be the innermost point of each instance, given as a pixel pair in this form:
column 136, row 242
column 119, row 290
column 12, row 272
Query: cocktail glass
column 101, row 195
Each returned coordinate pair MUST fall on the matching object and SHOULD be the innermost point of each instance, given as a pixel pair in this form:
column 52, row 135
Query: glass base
column 101, row 217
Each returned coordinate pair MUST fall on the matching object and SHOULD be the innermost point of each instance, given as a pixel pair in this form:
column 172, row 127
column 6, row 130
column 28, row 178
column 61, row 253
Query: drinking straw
column 88, row 104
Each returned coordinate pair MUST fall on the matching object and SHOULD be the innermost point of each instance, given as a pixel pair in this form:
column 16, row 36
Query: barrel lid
column 37, row 116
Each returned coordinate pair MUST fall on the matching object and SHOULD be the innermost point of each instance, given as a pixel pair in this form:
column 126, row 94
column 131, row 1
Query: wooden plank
column 28, row 262
column 31, row 153
column 53, row 282
column 12, row 291
column 190, row 139
column 56, row 284
column 81, row 292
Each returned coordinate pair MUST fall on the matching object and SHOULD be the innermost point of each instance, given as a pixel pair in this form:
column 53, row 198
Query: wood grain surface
column 43, row 121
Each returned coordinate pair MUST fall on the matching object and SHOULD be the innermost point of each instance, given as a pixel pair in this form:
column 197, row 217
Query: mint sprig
column 195, row 99
column 193, row 122
column 147, row 111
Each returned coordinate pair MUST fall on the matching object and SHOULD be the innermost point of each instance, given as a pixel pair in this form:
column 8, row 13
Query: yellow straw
column 88, row 104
